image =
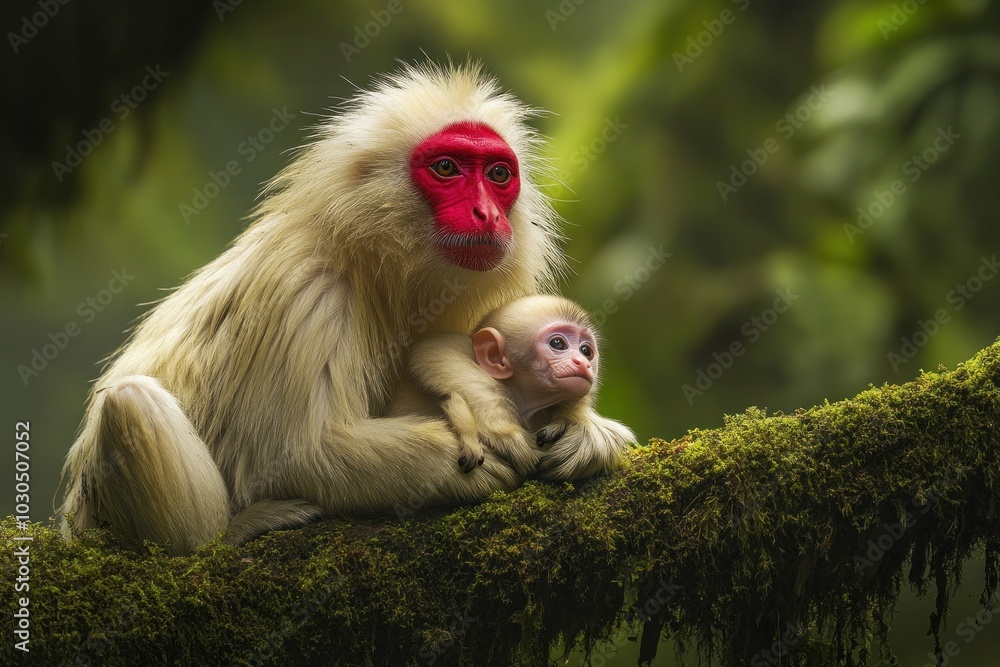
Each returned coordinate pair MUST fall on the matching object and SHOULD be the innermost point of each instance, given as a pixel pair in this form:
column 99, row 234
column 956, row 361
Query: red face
column 469, row 176
column 570, row 353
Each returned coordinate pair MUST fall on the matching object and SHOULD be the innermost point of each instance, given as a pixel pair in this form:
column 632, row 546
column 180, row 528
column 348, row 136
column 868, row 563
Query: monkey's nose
column 488, row 215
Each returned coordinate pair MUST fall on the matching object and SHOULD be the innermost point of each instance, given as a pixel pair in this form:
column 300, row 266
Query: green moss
column 798, row 525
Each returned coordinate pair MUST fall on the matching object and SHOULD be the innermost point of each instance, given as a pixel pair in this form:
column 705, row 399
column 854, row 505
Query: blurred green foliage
column 769, row 148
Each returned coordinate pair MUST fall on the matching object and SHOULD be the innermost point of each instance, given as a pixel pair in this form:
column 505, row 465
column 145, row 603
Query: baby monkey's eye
column 587, row 351
column 558, row 343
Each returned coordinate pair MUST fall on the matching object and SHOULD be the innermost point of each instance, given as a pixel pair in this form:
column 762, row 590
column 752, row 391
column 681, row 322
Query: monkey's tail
column 140, row 467
column 268, row 515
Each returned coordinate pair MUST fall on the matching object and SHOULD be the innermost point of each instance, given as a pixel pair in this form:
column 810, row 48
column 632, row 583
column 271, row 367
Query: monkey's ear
column 490, row 350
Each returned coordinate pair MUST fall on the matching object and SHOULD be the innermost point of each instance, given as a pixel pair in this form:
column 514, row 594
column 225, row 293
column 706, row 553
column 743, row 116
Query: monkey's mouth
column 576, row 384
column 478, row 253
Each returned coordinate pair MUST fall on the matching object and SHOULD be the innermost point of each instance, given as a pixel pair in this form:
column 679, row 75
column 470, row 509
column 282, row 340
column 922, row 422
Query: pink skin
column 567, row 372
column 469, row 177
column 564, row 366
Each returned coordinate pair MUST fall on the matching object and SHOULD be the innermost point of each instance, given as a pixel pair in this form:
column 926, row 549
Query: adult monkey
column 259, row 387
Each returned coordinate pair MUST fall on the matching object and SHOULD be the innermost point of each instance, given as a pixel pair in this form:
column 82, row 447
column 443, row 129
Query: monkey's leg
column 581, row 444
column 140, row 467
column 396, row 464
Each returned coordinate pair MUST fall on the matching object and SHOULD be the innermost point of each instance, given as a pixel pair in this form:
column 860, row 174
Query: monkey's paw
column 551, row 432
column 471, row 454
column 580, row 449
column 498, row 473
column 513, row 444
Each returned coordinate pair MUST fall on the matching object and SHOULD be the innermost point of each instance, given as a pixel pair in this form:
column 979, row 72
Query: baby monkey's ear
column 491, row 354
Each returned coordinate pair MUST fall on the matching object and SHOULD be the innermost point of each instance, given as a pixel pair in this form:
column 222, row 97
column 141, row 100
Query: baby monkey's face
column 565, row 359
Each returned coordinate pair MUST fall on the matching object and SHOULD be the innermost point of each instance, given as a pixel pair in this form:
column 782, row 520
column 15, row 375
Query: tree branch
column 785, row 534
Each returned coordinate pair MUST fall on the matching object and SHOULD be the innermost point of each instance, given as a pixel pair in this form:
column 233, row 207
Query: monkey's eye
column 558, row 343
column 587, row 351
column 445, row 168
column 498, row 174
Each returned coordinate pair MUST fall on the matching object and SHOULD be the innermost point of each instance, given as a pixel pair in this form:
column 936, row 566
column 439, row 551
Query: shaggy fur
column 266, row 376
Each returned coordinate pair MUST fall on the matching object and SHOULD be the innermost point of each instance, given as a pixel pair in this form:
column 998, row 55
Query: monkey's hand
column 502, row 433
column 463, row 422
column 581, row 446
column 490, row 423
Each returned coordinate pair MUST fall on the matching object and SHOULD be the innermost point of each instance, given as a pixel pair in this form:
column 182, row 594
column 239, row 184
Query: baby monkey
column 544, row 351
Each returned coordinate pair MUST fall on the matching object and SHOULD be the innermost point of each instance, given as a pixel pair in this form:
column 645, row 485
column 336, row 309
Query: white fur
column 276, row 360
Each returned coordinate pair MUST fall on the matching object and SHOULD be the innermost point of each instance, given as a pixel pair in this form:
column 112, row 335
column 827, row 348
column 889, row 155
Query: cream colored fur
column 578, row 443
column 266, row 376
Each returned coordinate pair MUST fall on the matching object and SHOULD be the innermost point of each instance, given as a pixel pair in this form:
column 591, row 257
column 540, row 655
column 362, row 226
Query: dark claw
column 468, row 463
column 541, row 440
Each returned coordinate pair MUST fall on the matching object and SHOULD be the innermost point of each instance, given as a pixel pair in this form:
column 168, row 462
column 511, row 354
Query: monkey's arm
column 478, row 406
column 399, row 464
column 410, row 400
column 580, row 443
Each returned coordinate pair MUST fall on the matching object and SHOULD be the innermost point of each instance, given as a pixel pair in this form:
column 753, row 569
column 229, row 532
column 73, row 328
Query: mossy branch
column 787, row 533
